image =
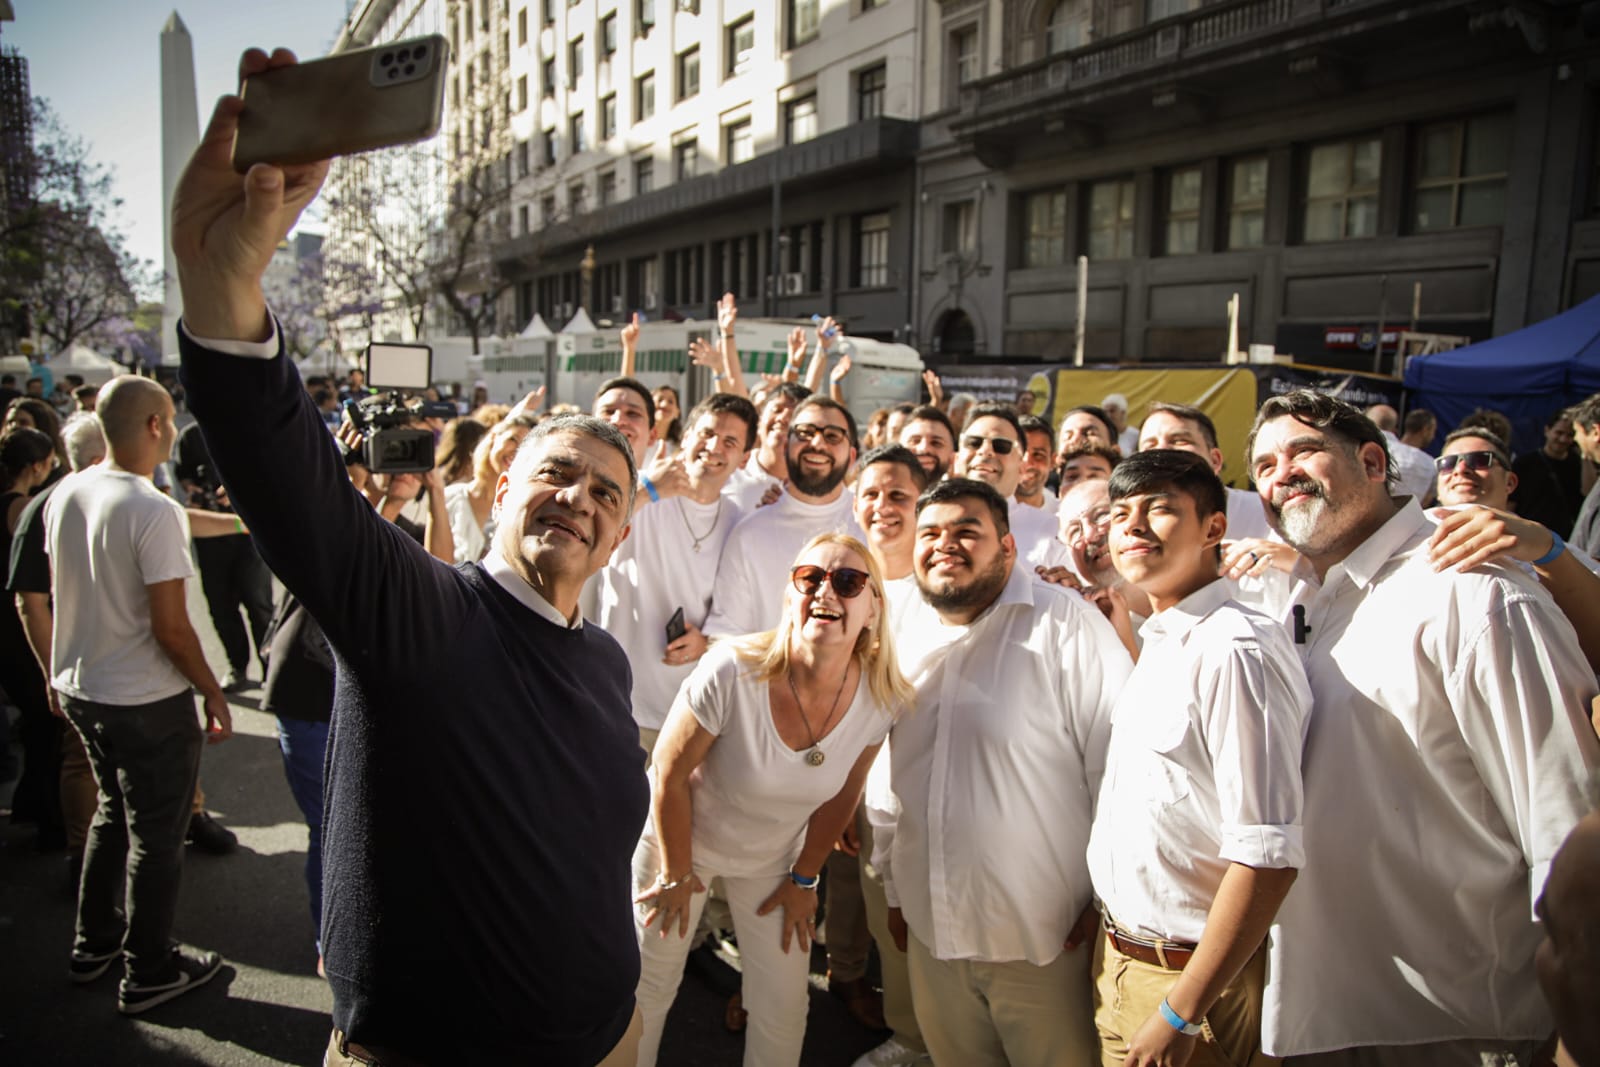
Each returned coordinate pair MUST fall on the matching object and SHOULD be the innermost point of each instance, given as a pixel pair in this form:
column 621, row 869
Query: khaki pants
column 647, row 741
column 897, row 1009
column 845, row 931
column 1128, row 991
column 624, row 1055
column 1005, row 1014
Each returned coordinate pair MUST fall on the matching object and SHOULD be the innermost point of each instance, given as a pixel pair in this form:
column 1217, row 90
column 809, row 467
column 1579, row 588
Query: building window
column 963, row 55
column 608, row 117
column 804, row 19
column 1044, row 239
column 577, row 198
column 689, row 73
column 1111, row 220
column 1165, row 9
column 800, row 119
column 522, row 37
column 644, row 96
column 685, row 160
column 959, row 234
column 455, row 36
column 576, row 135
column 1342, row 190
column 870, row 86
column 608, row 35
column 522, row 220
column 547, row 78
column 1068, row 26
column 574, row 61
column 1247, row 203
column 522, row 93
column 524, row 159
column 608, row 188
column 869, row 261
column 1461, row 173
column 552, row 147
column 644, row 176
column 644, row 19
column 1183, row 212
column 740, row 142
column 741, row 44
column 548, row 7
column 547, row 208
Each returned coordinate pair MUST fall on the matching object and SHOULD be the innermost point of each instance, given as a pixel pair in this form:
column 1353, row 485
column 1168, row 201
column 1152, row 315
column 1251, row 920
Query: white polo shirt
column 754, row 571
column 1203, row 769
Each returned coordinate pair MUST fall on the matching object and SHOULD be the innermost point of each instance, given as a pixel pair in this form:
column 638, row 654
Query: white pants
column 776, row 993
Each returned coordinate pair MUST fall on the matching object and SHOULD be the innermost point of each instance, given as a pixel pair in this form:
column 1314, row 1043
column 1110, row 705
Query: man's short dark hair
column 793, row 390
column 1417, row 420
column 1586, row 412
column 1555, row 417
column 595, row 427
column 727, row 404
column 1170, row 468
column 892, row 453
column 8, row 380
column 929, row 413
column 1335, row 416
column 1110, row 453
column 998, row 411
column 1501, row 451
column 827, row 403
column 74, row 381
column 1099, row 413
column 1034, row 424
column 1188, row 414
column 638, row 387
column 909, row 410
column 969, row 489
column 86, row 392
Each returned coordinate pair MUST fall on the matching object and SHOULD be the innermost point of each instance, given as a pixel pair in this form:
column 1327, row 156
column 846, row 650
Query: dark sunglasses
column 1002, row 445
column 1472, row 461
column 846, row 581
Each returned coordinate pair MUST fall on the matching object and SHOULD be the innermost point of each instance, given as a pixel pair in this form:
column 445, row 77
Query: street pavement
column 267, row 1006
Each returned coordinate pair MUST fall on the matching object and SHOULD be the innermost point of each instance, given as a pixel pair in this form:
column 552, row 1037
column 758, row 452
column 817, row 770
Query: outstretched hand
column 226, row 226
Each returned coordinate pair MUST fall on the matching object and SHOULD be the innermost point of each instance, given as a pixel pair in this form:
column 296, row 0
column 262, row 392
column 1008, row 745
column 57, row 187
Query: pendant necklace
column 684, row 515
column 815, row 756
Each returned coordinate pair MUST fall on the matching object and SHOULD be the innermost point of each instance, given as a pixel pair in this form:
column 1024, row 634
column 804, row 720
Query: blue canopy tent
column 1527, row 374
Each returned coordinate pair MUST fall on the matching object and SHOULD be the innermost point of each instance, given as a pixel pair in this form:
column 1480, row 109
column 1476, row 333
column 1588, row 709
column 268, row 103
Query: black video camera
column 391, row 445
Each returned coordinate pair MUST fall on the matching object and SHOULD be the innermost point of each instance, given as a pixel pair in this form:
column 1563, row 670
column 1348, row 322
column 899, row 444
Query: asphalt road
column 267, row 1006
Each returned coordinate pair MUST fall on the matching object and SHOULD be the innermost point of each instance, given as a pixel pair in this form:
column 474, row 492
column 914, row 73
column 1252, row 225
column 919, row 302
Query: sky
column 98, row 63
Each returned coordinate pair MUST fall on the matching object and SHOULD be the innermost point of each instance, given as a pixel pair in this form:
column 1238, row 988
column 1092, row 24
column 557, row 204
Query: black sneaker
column 86, row 967
column 190, row 968
column 208, row 835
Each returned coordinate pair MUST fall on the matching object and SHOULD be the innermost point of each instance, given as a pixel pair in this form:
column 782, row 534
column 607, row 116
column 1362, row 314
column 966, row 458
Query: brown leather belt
column 1168, row 955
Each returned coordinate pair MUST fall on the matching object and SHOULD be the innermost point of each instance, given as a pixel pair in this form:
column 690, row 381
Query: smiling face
column 1036, row 461
column 1085, row 519
column 1082, row 468
column 1319, row 490
column 885, row 508
column 961, row 561
column 503, row 449
column 1163, row 429
column 626, row 410
column 822, row 618
column 774, row 430
column 819, row 451
column 666, row 406
column 561, row 510
column 1559, row 439
column 1491, row 487
column 714, row 448
column 1161, row 543
column 980, row 459
column 931, row 443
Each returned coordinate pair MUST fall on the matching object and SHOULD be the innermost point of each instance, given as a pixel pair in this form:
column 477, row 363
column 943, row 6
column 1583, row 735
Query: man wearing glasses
column 821, row 449
column 990, row 451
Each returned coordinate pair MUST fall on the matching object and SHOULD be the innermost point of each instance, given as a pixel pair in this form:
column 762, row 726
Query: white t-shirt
column 749, row 485
column 1034, row 531
column 110, row 534
column 753, row 794
column 464, row 529
column 756, row 560
column 652, row 574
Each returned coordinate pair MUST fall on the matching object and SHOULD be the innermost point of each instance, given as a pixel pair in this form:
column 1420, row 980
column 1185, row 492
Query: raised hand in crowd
column 935, row 388
column 530, row 404
column 797, row 355
column 629, row 335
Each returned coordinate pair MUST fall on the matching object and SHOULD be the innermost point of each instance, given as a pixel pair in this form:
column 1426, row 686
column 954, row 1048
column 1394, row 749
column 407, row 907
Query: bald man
column 1568, row 961
column 125, row 661
column 1415, row 465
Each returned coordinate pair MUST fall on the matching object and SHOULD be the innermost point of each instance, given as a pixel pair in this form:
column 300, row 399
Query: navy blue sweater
column 485, row 787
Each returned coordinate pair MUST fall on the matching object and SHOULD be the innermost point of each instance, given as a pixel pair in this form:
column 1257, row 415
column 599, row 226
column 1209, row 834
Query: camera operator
column 231, row 572
column 477, row 842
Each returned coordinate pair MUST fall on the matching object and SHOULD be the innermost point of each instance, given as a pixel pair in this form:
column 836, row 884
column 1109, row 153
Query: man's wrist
column 228, row 314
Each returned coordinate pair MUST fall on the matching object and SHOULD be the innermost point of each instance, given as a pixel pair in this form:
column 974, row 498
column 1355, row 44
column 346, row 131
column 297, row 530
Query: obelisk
column 180, row 133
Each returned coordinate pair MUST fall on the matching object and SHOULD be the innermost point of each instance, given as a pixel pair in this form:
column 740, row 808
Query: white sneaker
column 892, row 1054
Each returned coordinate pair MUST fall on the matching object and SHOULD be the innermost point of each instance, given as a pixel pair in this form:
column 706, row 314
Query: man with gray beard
column 1444, row 763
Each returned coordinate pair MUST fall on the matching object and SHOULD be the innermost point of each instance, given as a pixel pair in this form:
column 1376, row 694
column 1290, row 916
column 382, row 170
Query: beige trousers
column 897, row 1009
column 1013, row 1014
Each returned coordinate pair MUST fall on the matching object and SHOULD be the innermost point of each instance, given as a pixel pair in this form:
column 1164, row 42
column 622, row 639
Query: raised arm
column 827, row 331
column 630, row 346
column 732, row 372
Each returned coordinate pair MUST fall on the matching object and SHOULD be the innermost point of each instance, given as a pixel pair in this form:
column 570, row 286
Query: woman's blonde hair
column 768, row 653
column 483, row 452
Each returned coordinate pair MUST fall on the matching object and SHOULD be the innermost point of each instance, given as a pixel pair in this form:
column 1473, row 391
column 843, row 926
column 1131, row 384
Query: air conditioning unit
column 616, row 305
column 691, row 7
column 792, row 284
column 650, row 301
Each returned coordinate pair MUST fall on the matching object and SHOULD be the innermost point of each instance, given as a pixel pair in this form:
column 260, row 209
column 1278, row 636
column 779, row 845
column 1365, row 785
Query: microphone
column 1300, row 627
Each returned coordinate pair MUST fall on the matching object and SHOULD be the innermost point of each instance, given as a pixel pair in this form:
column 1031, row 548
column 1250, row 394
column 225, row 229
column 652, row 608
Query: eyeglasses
column 1472, row 461
column 846, row 581
column 805, row 433
column 1002, row 445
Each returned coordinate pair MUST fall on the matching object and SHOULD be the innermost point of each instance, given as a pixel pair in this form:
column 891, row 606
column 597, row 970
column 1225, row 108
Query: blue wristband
column 1176, row 1021
column 650, row 487
column 1557, row 546
column 804, row 882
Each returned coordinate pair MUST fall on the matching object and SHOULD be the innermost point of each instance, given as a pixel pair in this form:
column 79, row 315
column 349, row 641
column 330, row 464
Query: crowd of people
column 1105, row 761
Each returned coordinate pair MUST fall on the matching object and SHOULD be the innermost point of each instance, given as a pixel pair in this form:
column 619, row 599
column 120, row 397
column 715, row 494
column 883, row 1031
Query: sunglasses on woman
column 1472, row 461
column 846, row 581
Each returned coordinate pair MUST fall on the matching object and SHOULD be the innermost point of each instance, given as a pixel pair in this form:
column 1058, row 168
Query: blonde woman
column 469, row 504
column 758, row 768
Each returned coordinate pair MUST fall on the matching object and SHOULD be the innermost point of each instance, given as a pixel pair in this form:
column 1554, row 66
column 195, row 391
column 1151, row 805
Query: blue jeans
column 303, row 745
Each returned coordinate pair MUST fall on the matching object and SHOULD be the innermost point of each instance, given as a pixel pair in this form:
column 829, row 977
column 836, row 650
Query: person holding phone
column 472, row 848
column 757, row 772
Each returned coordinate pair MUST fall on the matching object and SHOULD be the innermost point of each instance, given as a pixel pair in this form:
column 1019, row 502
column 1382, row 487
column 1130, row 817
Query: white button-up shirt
column 996, row 770
column 1445, row 763
column 1204, row 765
column 1415, row 472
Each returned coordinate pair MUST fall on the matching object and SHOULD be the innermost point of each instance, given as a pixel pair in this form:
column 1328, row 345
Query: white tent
column 536, row 328
column 88, row 364
column 579, row 323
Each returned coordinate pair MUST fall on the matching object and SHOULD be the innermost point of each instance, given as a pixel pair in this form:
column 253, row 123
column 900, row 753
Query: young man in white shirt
column 767, row 467
column 1191, row 430
column 990, row 451
column 1413, row 466
column 1445, row 761
column 1196, row 837
column 930, row 436
column 995, row 772
column 123, row 659
column 1038, row 456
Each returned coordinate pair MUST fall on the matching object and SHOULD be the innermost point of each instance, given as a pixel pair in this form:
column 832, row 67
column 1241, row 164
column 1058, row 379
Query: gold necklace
column 816, row 756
